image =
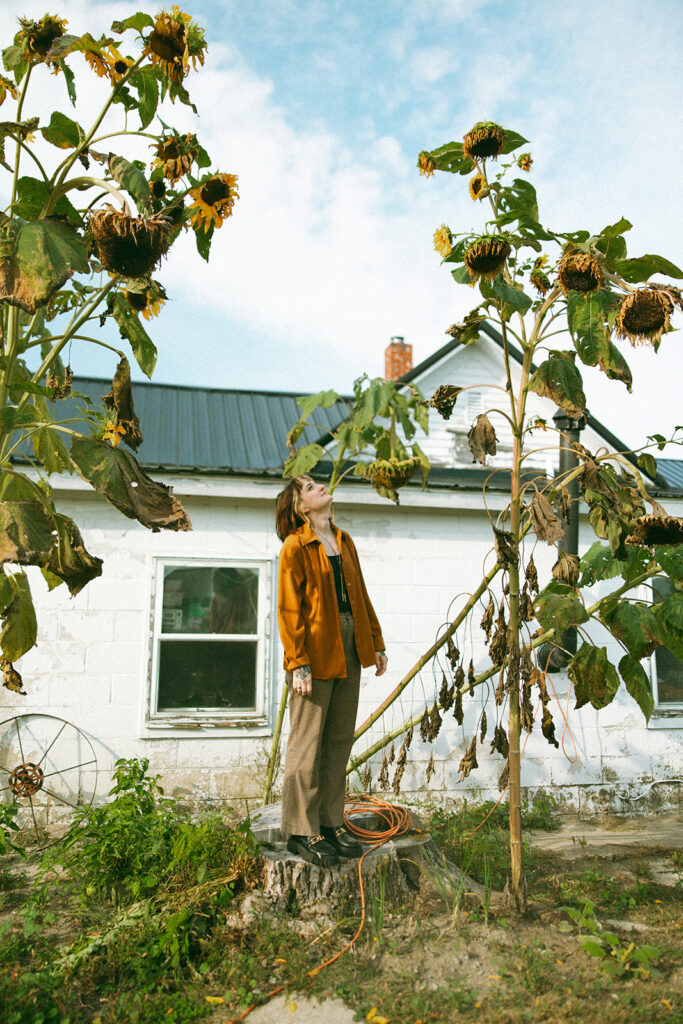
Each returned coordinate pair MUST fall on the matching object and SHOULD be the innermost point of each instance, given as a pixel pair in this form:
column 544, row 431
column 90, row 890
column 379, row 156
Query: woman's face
column 313, row 497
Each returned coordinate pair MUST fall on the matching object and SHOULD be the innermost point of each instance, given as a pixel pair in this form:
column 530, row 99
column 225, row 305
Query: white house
column 148, row 660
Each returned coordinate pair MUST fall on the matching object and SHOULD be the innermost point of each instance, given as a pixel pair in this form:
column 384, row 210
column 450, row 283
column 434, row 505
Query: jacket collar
column 307, row 535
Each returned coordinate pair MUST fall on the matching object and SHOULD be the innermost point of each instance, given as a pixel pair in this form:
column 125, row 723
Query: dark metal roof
column 211, row 430
column 671, row 471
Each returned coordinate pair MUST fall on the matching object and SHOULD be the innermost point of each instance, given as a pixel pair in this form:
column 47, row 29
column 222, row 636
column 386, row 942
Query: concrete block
column 116, row 595
column 215, row 752
column 80, row 625
column 132, row 626
column 54, row 657
column 103, row 658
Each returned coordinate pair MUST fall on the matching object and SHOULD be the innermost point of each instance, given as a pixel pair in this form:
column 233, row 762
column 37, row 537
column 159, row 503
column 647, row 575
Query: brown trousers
column 321, row 729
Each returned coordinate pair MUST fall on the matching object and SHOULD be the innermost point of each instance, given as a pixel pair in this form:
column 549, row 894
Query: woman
column 329, row 630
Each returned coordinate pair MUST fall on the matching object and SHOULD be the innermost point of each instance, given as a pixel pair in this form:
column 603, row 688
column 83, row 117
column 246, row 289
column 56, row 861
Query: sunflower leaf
column 19, row 627
column 132, row 179
column 482, row 439
column 559, row 379
column 670, row 615
column 32, row 195
column 595, row 678
column 26, row 533
column 130, row 328
column 557, row 607
column 36, row 259
column 70, row 562
column 66, row 44
column 145, row 83
column 70, row 81
column 304, row 460
column 62, row 132
column 449, row 157
column 648, row 464
column 50, row 450
column 635, row 625
column 137, row 21
column 599, row 563
column 513, row 140
column 637, row 684
column 643, row 267
column 615, row 367
column 118, row 476
column 203, row 241
column 510, row 295
column 671, row 559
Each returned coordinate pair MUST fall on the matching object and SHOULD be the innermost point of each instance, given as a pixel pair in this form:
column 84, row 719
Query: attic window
column 210, row 646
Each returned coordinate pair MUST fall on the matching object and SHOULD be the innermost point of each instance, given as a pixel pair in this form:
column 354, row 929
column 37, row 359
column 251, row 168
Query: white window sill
column 665, row 718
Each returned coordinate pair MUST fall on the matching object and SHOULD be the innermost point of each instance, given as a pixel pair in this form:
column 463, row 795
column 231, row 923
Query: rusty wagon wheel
column 46, row 765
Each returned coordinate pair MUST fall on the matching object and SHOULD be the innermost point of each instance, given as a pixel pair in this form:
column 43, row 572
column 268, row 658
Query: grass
column 153, row 940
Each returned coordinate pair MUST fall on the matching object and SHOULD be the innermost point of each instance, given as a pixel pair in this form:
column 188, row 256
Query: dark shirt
column 339, row 584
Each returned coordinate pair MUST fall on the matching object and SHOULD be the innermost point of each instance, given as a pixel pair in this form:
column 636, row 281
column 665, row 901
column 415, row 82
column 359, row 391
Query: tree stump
column 410, row 868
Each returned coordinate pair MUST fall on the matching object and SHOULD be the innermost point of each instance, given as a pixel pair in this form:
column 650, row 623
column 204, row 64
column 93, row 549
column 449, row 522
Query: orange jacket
column 308, row 613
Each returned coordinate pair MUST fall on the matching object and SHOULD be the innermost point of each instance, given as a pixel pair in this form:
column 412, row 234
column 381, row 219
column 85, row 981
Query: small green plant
column 378, row 894
column 615, row 956
column 8, row 826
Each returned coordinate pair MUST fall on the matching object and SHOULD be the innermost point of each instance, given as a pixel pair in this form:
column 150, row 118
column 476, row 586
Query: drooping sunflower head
column 213, row 200
column 425, row 164
column 7, row 87
column 644, row 316
column 175, row 154
column 126, row 245
column 175, row 41
column 393, row 472
column 486, row 256
column 37, row 37
column 148, row 301
column 524, row 162
column 657, row 529
column 578, row 272
column 157, row 188
column 98, row 61
column 443, row 241
column 478, row 187
column 119, row 65
column 485, row 139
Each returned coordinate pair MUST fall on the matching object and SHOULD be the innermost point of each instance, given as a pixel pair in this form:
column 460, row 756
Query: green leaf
column 643, row 267
column 26, row 533
column 615, row 367
column 144, row 81
column 599, row 563
column 648, row 464
column 671, row 560
column 635, row 625
column 19, row 628
column 593, row 947
column 588, row 327
column 130, row 328
column 137, row 21
column 303, row 460
column 373, row 402
column 36, row 259
column 118, row 476
column 559, row 379
column 595, row 678
column 11, row 418
column 70, row 561
column 510, row 295
column 461, row 275
column 670, row 615
column 612, row 247
column 132, row 178
column 513, row 140
column 62, row 132
column 449, row 157
column 203, row 241
column 33, row 194
column 50, row 450
column 70, row 81
column 321, row 400
column 638, row 684
column 557, row 607
column 66, row 44
column 11, row 57
column 613, row 230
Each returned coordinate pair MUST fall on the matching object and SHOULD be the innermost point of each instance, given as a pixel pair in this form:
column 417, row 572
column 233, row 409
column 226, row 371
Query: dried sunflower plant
column 534, row 285
column 81, row 235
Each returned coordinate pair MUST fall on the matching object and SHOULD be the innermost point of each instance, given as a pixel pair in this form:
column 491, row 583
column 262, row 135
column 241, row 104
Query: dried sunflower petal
column 469, row 760
column 544, row 522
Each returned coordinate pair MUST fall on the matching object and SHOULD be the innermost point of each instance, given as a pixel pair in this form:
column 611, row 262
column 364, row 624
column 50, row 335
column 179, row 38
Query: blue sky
column 321, row 107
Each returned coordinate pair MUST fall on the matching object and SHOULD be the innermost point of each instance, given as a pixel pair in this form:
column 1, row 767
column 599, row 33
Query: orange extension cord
column 397, row 822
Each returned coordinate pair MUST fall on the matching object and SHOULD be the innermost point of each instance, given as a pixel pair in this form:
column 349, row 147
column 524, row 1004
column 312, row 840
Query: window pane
column 209, row 600
column 669, row 668
column 206, row 674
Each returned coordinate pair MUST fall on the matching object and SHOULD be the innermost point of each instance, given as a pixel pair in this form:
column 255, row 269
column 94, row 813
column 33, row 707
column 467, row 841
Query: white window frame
column 670, row 714
column 238, row 719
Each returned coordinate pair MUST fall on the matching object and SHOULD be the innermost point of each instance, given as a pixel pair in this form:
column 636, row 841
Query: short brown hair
column 287, row 515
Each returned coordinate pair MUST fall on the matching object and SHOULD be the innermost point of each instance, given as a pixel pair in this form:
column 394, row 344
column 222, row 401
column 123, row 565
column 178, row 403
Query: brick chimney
column 398, row 358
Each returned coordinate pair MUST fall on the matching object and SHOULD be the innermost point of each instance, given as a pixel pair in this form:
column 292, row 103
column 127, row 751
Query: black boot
column 342, row 841
column 314, row 849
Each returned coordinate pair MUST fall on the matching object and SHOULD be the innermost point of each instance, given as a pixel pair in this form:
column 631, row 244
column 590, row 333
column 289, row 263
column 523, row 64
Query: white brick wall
column 90, row 666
